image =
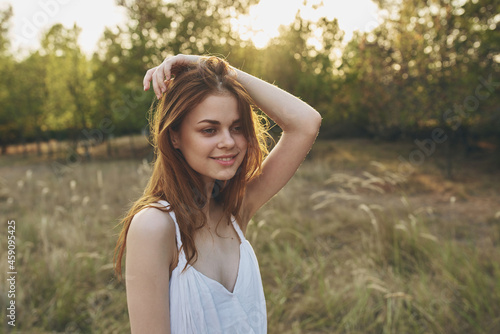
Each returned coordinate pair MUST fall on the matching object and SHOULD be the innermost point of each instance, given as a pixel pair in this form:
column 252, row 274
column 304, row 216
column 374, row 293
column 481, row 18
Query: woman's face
column 211, row 138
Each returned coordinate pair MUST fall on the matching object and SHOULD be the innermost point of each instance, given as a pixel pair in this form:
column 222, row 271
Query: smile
column 226, row 160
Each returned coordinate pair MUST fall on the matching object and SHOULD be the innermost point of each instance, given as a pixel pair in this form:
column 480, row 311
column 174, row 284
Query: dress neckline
column 217, row 283
column 240, row 235
column 242, row 239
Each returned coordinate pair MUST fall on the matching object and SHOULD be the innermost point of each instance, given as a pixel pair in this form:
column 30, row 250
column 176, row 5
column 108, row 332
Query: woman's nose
column 226, row 139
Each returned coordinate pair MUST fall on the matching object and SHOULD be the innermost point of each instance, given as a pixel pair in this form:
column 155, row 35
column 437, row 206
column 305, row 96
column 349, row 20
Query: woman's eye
column 208, row 131
column 237, row 129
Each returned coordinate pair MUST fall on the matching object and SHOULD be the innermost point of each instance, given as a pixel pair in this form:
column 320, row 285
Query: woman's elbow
column 303, row 122
column 317, row 119
column 313, row 123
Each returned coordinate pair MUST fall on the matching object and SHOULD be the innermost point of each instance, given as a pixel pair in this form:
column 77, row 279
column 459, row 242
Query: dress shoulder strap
column 238, row 229
column 177, row 230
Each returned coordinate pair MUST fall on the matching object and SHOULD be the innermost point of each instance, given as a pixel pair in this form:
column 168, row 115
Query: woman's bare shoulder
column 151, row 222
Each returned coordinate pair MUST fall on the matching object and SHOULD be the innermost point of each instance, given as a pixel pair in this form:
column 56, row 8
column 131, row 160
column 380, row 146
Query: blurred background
column 391, row 224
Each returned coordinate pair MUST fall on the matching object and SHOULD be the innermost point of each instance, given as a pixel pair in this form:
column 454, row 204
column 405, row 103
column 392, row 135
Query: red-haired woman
column 189, row 268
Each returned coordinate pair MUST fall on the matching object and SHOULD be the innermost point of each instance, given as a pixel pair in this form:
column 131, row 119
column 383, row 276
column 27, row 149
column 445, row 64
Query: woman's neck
column 211, row 208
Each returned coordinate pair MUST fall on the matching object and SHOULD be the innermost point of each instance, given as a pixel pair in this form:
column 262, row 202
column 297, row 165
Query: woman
column 188, row 266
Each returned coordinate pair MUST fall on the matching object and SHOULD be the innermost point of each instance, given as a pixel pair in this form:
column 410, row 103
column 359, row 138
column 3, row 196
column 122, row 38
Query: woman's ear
column 174, row 138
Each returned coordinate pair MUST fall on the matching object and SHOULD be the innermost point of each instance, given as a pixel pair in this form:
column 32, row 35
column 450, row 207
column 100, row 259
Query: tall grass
column 348, row 246
column 353, row 260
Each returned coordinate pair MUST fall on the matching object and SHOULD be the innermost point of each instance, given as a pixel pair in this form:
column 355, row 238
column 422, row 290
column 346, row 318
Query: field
column 355, row 243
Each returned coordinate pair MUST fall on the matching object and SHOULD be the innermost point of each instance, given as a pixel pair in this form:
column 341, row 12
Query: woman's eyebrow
column 212, row 121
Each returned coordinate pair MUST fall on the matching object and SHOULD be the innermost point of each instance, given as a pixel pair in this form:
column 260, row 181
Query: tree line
column 429, row 66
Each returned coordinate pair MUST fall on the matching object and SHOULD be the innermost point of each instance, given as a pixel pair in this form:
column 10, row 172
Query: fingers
column 156, row 88
column 147, row 78
column 162, row 73
column 159, row 75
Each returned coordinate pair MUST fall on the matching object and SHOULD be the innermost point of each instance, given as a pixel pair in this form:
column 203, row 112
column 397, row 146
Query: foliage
column 429, row 65
column 425, row 57
column 8, row 124
column 422, row 68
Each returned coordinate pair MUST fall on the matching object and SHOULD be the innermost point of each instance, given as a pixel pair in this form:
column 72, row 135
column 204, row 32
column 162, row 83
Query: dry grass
column 348, row 246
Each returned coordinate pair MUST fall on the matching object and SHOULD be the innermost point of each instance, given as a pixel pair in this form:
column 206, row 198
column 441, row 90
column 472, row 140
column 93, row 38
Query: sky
column 33, row 17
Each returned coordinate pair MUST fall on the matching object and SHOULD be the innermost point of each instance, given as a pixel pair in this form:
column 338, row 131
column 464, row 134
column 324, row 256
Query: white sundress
column 201, row 305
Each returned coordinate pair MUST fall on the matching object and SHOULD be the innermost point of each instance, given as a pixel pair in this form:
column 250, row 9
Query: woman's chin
column 225, row 177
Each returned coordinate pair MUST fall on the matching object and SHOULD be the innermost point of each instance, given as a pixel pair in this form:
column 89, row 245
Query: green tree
column 8, row 125
column 69, row 95
column 303, row 68
column 5, row 17
column 417, row 69
column 157, row 28
column 28, row 93
column 121, row 104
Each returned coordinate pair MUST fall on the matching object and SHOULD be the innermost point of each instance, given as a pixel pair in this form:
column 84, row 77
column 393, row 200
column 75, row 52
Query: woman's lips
column 226, row 160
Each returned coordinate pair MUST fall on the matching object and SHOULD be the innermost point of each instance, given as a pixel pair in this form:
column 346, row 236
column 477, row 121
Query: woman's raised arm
column 300, row 124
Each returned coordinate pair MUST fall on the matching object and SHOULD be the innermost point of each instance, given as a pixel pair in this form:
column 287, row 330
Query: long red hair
column 173, row 180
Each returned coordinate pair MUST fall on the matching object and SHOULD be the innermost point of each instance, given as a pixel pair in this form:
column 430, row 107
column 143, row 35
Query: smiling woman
column 189, row 268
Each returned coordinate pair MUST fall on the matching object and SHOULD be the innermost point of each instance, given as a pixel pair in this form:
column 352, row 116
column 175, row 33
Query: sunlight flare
column 264, row 19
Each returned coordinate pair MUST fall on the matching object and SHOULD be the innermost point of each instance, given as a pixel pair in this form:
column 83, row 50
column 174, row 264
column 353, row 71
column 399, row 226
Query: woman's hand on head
column 162, row 73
